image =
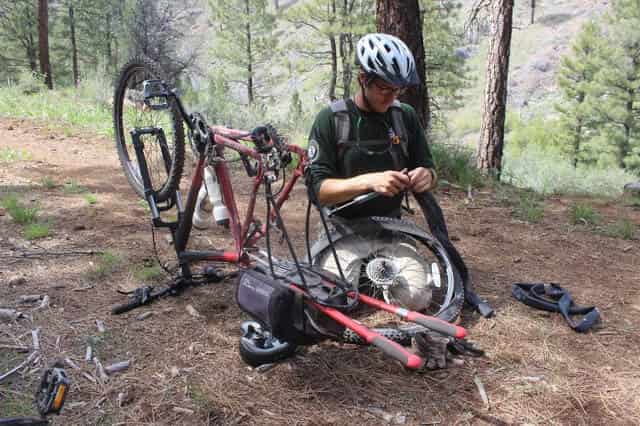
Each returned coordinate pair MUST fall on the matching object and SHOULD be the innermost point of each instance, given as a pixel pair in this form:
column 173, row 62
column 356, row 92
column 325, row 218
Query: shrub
column 454, row 163
column 583, row 214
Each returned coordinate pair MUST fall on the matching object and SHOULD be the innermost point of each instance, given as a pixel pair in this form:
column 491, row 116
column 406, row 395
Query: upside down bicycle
column 386, row 264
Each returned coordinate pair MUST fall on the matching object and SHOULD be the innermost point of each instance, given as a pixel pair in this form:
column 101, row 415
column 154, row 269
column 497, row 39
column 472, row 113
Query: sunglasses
column 386, row 90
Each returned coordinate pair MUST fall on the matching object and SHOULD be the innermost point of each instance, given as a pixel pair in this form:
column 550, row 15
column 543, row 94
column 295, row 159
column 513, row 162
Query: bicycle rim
column 417, row 276
column 130, row 112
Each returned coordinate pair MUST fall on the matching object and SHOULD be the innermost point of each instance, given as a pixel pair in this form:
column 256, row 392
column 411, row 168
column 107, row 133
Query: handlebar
column 360, row 199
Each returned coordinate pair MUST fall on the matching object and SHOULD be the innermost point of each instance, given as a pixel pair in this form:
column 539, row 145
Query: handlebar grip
column 438, row 325
column 397, row 352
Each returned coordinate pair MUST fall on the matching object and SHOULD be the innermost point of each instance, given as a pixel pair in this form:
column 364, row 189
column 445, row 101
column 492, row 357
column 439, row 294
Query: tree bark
column 533, row 11
column 249, row 54
column 491, row 142
column 334, row 68
column 404, row 20
column 74, row 48
column 43, row 41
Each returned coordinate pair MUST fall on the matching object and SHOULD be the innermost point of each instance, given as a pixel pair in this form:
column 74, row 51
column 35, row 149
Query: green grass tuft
column 91, row 199
column 529, row 207
column 34, row 231
column 19, row 213
column 106, row 264
column 148, row 273
column 454, row 164
column 73, row 187
column 8, row 155
column 624, row 229
column 583, row 214
column 48, row 182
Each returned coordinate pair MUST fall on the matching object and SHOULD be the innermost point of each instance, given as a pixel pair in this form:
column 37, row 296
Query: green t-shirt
column 371, row 153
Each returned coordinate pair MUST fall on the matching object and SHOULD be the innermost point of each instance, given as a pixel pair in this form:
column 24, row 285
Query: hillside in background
column 536, row 50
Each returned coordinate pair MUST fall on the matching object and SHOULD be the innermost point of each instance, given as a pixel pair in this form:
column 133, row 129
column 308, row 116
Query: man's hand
column 388, row 183
column 421, row 179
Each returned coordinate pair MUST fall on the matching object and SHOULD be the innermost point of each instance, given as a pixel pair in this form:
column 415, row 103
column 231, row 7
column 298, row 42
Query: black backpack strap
column 553, row 298
column 400, row 128
column 341, row 121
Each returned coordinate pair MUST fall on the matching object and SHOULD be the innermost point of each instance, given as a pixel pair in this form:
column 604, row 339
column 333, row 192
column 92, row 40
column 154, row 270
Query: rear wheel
column 400, row 269
column 129, row 112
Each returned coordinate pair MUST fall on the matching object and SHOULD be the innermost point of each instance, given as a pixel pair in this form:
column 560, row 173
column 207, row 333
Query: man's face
column 380, row 94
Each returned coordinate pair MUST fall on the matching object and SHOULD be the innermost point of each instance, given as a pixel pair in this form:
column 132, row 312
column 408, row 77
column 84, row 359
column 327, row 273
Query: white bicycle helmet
column 387, row 57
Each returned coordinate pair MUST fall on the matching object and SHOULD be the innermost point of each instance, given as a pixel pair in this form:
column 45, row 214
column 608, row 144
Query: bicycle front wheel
column 130, row 112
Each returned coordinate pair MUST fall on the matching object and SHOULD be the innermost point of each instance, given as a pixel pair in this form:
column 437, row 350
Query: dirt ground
column 186, row 369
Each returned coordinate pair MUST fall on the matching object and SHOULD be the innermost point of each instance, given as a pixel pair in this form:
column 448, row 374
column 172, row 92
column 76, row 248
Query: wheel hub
column 382, row 271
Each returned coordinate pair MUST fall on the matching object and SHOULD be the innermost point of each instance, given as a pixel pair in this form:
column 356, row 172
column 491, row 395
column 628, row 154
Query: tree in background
column 43, row 42
column 618, row 84
column 337, row 26
column 157, row 29
column 18, row 36
column 446, row 69
column 244, row 44
column 404, row 20
column 491, row 144
column 576, row 76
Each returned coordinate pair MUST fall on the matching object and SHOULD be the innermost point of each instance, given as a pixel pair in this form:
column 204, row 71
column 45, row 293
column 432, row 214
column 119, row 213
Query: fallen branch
column 9, row 315
column 88, row 354
column 118, row 366
column 101, row 326
column 15, row 348
column 29, row 298
column 36, row 339
column 47, row 253
column 482, row 391
column 100, row 369
column 19, row 367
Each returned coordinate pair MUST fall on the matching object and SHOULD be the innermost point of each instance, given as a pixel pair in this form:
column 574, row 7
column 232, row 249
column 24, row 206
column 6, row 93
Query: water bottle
column 220, row 212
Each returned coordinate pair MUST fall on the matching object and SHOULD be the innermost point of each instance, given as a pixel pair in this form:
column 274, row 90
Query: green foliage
column 148, row 272
column 576, row 77
column 624, row 229
column 447, row 71
column 244, row 44
column 73, row 187
column 19, row 213
column 536, row 131
column 9, row 155
column 454, row 163
column 583, row 214
column 91, row 199
column 106, row 264
column 529, row 207
column 548, row 171
column 18, row 37
column 48, row 182
column 57, row 107
column 34, row 231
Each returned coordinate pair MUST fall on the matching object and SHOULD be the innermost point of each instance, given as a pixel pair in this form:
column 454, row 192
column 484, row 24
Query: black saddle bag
column 279, row 309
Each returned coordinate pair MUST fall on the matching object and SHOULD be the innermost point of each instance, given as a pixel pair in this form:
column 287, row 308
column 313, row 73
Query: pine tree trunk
column 32, row 54
column 492, row 132
column 346, row 56
column 334, row 68
column 250, row 93
column 74, row 48
column 404, row 20
column 533, row 11
column 43, row 41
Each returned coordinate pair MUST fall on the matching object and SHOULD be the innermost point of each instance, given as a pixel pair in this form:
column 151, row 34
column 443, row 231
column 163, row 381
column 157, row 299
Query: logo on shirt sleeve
column 313, row 150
